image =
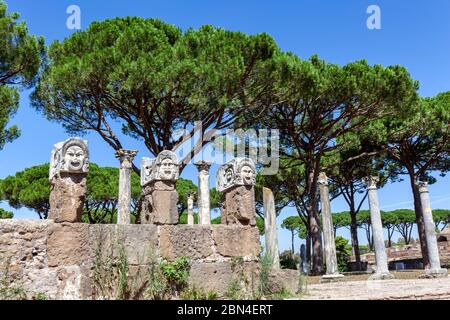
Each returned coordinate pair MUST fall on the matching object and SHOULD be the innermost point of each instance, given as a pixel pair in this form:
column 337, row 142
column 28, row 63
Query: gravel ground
column 358, row 287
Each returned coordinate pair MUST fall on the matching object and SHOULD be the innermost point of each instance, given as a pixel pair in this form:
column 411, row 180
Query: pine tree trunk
column 419, row 219
column 355, row 242
column 314, row 224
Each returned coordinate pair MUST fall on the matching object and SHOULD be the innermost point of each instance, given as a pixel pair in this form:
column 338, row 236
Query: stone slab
column 194, row 242
column 69, row 244
column 236, row 241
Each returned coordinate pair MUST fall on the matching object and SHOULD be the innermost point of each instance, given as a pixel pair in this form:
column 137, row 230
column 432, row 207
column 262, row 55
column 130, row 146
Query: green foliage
column 102, row 194
column 234, row 290
column 176, row 272
column 280, row 295
column 441, row 218
column 302, row 284
column 5, row 214
column 29, row 188
column 404, row 222
column 260, row 225
column 289, row 260
column 241, row 283
column 194, row 293
column 40, row 296
column 153, row 79
column 291, row 223
column 184, row 186
column 184, row 219
column 21, row 55
column 157, row 287
column 343, row 253
column 265, row 264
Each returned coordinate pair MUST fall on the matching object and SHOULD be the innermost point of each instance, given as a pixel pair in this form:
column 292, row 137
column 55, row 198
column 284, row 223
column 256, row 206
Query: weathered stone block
column 160, row 203
column 219, row 276
column 234, row 241
column 280, row 279
column 138, row 241
column 23, row 253
column 194, row 242
column 68, row 244
column 238, row 206
column 67, row 197
column 74, row 283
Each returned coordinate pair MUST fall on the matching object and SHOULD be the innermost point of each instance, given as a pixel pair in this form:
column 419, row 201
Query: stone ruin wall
column 411, row 253
column 57, row 259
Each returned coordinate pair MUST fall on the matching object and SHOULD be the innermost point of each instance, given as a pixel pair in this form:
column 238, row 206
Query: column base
column 382, row 276
column 434, row 273
column 335, row 277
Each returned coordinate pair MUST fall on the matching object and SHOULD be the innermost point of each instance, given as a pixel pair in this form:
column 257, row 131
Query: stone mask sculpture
column 225, row 177
column 238, row 171
column 236, row 180
column 164, row 167
column 71, row 155
column 69, row 165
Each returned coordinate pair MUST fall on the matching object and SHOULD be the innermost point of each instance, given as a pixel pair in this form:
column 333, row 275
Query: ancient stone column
column 435, row 270
column 190, row 208
column 123, row 208
column 236, row 180
column 382, row 270
column 203, row 204
column 270, row 228
column 69, row 164
column 158, row 181
column 332, row 273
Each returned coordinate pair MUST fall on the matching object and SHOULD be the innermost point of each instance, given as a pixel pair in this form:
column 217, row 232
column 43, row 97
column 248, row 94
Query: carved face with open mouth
column 74, row 158
column 167, row 169
column 229, row 175
column 247, row 175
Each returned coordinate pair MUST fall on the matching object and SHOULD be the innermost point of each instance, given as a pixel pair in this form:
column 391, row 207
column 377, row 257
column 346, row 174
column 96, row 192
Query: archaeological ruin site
column 233, row 151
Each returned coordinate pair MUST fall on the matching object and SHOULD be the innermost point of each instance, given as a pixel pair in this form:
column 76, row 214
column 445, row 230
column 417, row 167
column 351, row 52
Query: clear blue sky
column 415, row 34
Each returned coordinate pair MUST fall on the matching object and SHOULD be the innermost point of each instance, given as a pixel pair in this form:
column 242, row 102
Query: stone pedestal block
column 64, row 241
column 160, row 203
column 219, row 276
column 67, row 195
column 194, row 242
column 234, row 241
column 238, row 206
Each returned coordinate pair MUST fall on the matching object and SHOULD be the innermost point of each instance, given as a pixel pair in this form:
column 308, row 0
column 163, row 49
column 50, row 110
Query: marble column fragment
column 126, row 162
column 190, row 208
column 270, row 228
column 332, row 273
column 203, row 202
column 382, row 270
column 435, row 270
